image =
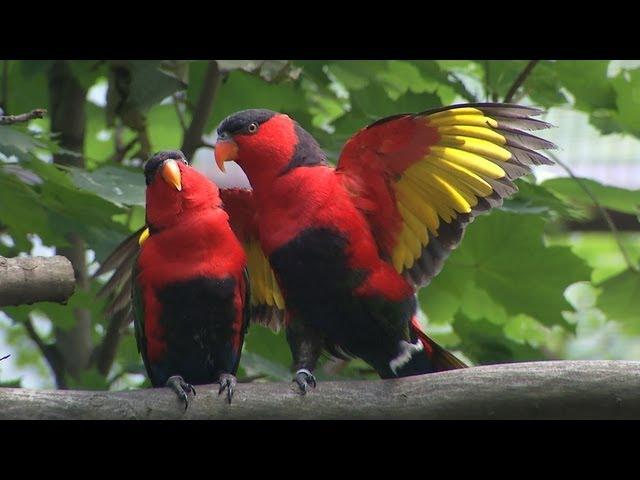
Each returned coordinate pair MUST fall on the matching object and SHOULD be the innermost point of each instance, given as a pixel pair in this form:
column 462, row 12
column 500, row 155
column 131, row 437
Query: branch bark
column 26, row 280
column 193, row 135
column 23, row 117
column 542, row 390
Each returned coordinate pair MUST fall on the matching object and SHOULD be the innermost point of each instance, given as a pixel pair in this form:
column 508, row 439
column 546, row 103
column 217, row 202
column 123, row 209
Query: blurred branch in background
column 202, row 111
column 23, row 117
column 519, row 81
column 50, row 352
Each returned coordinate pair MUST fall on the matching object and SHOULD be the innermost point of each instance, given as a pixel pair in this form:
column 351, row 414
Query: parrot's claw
column 181, row 388
column 305, row 379
column 227, row 381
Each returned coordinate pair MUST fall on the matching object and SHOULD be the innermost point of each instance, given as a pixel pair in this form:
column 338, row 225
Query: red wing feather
column 421, row 178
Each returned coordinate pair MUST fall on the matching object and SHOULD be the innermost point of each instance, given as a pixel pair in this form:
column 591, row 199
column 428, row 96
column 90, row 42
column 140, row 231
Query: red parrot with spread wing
column 346, row 248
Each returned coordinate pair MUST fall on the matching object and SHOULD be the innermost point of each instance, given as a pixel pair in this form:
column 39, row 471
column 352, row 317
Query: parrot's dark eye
column 253, row 127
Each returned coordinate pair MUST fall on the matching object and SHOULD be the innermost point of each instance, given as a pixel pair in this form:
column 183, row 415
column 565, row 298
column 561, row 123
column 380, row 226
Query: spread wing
column 421, row 178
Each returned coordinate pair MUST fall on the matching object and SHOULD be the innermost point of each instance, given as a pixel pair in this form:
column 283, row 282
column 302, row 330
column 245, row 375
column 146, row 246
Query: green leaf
column 522, row 274
column 356, row 74
column 28, row 86
column 582, row 295
column 588, row 83
column 165, row 132
column 99, row 142
column 543, row 86
column 441, row 299
column 150, row 85
column 15, row 138
column 89, row 380
column 486, row 343
column 614, row 198
column 449, row 85
column 373, row 103
column 14, row 383
column 88, row 71
column 119, row 185
column 536, row 199
column 505, row 256
column 620, row 299
column 242, row 90
column 272, row 346
column 254, row 364
column 627, row 87
column 523, row 329
column 22, row 211
column 269, row 70
column 479, row 305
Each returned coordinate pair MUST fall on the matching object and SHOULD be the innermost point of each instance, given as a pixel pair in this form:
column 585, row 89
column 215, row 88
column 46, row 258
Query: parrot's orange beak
column 225, row 151
column 171, row 174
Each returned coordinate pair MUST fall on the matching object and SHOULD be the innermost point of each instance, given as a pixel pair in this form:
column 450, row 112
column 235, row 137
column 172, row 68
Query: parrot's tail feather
column 424, row 356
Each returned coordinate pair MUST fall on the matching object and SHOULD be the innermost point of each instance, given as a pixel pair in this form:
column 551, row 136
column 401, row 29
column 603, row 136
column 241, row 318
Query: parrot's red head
column 265, row 144
column 175, row 189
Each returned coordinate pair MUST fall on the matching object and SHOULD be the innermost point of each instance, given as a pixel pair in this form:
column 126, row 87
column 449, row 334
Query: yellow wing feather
column 450, row 179
column 264, row 286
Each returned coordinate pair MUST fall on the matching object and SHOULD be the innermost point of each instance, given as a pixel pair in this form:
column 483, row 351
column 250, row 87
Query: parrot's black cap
column 152, row 165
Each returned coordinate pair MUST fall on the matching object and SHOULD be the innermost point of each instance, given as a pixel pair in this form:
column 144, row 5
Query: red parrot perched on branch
column 190, row 286
column 346, row 248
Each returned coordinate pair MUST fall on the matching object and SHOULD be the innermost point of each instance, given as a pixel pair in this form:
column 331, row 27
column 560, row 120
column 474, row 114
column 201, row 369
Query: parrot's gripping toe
column 305, row 379
column 181, row 388
column 228, row 382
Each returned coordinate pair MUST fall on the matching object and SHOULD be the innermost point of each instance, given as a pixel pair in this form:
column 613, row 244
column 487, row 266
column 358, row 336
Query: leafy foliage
column 509, row 293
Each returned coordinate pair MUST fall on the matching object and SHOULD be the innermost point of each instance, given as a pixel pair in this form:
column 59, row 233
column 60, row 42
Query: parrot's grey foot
column 181, row 388
column 227, row 381
column 305, row 379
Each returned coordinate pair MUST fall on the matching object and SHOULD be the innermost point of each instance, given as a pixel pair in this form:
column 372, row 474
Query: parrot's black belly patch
column 318, row 286
column 197, row 316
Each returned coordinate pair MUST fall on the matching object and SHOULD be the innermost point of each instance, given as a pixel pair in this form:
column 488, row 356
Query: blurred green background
column 544, row 277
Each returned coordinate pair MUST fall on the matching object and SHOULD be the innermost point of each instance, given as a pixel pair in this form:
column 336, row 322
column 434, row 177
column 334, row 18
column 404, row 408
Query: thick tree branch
column 26, row 280
column 193, row 136
column 520, row 80
column 542, row 390
column 23, row 117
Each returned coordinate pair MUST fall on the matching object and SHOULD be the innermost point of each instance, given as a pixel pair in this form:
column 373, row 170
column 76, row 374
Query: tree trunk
column 67, row 109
